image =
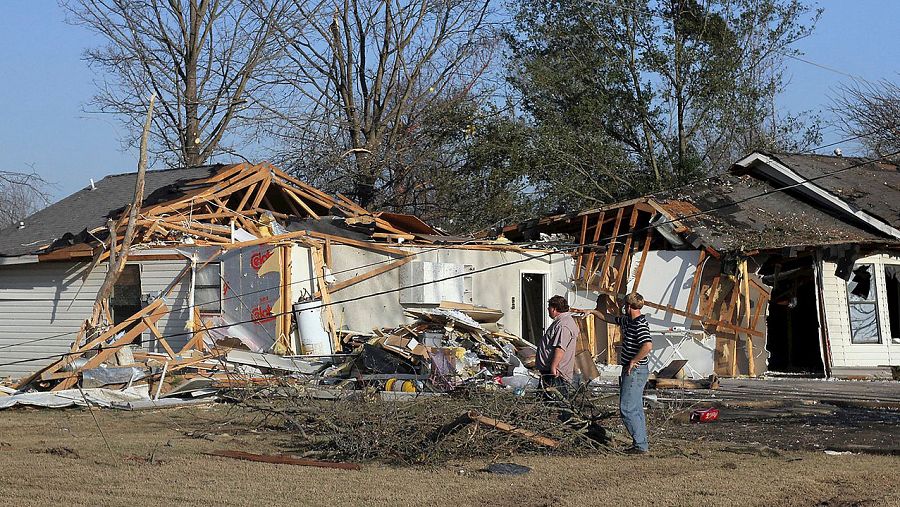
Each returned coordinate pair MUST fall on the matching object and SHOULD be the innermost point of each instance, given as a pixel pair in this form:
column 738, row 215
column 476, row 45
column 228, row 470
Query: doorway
column 793, row 323
column 534, row 303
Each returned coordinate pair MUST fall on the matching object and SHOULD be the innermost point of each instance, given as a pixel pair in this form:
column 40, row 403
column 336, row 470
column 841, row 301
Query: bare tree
column 21, row 194
column 358, row 78
column 871, row 113
column 198, row 56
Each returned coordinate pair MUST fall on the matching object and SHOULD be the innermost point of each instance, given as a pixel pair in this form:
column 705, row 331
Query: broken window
column 208, row 288
column 892, row 290
column 863, row 305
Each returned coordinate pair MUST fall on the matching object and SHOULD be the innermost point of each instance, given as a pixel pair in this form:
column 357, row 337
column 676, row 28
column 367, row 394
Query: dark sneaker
column 635, row 450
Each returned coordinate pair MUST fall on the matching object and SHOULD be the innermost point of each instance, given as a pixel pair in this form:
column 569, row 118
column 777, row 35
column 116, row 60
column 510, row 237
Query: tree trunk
column 117, row 262
column 191, row 134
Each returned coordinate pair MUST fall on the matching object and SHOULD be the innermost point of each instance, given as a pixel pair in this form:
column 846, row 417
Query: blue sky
column 44, row 84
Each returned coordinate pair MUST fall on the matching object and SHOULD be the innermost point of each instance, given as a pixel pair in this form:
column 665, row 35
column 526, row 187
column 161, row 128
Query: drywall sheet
column 251, row 281
column 666, row 280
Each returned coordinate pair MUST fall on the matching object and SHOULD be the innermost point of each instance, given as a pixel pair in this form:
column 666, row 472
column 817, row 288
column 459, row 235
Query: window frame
column 201, row 305
column 872, row 301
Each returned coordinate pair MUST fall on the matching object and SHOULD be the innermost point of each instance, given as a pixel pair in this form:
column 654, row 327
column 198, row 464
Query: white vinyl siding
column 844, row 353
column 45, row 304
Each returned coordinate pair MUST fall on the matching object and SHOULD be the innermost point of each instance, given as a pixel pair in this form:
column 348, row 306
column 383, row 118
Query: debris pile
column 430, row 430
column 442, row 350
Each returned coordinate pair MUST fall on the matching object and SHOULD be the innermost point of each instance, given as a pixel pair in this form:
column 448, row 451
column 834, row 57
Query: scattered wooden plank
column 509, row 428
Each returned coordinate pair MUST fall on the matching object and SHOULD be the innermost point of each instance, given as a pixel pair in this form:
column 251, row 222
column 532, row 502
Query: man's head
column 633, row 304
column 557, row 305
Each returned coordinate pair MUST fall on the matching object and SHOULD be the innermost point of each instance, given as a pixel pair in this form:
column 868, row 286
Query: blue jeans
column 631, row 404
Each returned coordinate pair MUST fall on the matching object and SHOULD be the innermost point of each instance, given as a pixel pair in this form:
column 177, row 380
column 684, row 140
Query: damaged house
column 787, row 263
column 240, row 254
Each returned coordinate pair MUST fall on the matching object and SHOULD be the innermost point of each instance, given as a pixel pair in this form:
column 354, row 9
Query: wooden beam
column 103, row 354
column 696, row 281
column 246, row 198
column 267, row 240
column 640, row 269
column 324, row 293
column 583, row 241
column 695, row 317
column 611, row 246
column 301, row 202
column 370, row 274
column 159, row 337
column 626, row 252
column 590, row 260
column 261, row 192
column 362, row 244
column 209, row 236
column 745, row 286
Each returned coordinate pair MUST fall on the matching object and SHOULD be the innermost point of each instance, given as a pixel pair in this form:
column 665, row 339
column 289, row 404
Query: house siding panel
column 43, row 305
column 843, row 352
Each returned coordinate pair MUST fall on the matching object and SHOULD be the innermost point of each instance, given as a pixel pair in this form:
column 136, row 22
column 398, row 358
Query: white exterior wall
column 845, row 354
column 498, row 287
column 39, row 301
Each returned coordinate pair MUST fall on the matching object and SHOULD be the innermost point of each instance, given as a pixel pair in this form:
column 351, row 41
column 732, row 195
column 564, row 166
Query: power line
column 377, row 263
column 509, row 263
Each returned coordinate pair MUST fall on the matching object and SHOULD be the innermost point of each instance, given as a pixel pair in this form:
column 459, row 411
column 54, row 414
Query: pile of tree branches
column 431, row 430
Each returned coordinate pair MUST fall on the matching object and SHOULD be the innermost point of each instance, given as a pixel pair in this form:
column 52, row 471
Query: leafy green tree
column 630, row 96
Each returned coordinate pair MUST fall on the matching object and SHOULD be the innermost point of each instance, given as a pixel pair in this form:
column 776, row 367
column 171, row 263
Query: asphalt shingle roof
column 88, row 209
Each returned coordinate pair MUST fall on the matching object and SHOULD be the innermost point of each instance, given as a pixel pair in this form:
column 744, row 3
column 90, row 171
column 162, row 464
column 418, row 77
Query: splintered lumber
column 70, row 378
column 509, row 428
column 282, row 459
column 53, row 368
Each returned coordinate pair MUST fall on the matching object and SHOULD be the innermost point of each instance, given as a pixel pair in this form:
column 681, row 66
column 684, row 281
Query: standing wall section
column 497, row 287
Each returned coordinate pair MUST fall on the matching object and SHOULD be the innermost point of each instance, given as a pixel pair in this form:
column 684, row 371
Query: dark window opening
column 208, row 288
column 892, row 289
column 862, row 304
column 534, row 306
column 125, row 300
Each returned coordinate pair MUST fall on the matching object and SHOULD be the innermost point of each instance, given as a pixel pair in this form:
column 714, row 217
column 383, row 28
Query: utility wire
column 188, row 307
column 571, row 247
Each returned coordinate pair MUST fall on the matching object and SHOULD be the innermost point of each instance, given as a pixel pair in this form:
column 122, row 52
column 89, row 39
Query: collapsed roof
column 204, row 204
column 765, row 202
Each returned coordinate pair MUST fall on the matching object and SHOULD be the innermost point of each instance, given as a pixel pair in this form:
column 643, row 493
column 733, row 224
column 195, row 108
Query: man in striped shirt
column 636, row 346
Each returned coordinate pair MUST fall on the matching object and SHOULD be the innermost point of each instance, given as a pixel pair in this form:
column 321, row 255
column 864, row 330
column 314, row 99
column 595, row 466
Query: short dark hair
column 558, row 303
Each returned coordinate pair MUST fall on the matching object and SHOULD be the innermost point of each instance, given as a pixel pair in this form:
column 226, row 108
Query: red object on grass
column 708, row 415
